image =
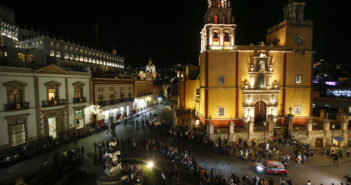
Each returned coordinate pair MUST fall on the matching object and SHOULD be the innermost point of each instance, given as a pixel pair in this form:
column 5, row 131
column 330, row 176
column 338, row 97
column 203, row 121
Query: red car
column 271, row 167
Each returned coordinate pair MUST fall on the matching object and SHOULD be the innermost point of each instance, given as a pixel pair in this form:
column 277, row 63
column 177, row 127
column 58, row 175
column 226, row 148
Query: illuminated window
column 17, row 130
column 197, row 92
column 52, row 95
column 66, row 56
column 21, row 57
column 298, row 109
column 52, row 53
column 220, row 111
column 221, row 79
column 298, row 79
column 78, row 92
column 71, row 57
column 58, row 54
column 349, row 109
column 30, row 58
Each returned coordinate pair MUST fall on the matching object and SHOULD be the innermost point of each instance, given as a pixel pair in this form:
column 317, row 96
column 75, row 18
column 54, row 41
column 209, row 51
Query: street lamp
column 333, row 126
column 150, row 164
column 264, row 135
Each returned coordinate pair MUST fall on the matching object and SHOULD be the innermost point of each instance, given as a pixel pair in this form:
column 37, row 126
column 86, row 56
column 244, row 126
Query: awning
column 339, row 138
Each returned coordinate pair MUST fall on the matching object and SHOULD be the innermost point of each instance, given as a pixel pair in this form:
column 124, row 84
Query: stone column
column 344, row 124
column 326, row 125
column 309, row 125
column 321, row 115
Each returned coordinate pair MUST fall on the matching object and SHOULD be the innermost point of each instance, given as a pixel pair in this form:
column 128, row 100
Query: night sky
column 169, row 31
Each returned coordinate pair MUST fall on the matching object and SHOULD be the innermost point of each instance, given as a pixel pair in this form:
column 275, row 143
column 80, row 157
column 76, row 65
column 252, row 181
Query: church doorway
column 260, row 112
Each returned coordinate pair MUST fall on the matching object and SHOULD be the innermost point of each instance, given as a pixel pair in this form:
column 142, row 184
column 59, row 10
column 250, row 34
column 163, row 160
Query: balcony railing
column 18, row 106
column 53, row 102
column 113, row 102
column 144, row 94
column 80, row 100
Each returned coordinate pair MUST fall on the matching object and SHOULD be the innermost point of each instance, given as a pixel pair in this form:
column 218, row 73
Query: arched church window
column 58, row 54
column 215, row 35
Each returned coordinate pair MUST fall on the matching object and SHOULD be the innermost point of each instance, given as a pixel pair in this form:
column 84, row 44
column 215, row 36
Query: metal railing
column 80, row 100
column 53, row 102
column 144, row 94
column 17, row 106
column 113, row 102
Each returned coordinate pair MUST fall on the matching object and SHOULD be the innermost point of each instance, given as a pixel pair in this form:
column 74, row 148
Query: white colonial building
column 40, row 103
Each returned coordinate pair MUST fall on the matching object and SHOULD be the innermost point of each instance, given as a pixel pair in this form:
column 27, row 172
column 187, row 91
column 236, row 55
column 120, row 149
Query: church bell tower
column 219, row 30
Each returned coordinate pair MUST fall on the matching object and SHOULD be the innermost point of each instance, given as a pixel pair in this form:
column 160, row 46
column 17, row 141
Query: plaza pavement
column 319, row 169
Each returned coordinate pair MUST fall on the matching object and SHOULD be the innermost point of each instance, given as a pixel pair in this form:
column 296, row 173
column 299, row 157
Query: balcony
column 113, row 102
column 18, row 106
column 53, row 103
column 144, row 94
column 80, row 100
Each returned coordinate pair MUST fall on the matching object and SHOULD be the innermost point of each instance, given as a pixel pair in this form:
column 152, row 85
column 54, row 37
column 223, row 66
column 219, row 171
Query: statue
column 262, row 65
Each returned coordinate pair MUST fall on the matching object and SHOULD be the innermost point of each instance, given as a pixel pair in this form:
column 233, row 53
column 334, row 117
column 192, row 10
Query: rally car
column 271, row 167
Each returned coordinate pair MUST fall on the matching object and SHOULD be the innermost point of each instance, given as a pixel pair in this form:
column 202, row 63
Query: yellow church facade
column 254, row 82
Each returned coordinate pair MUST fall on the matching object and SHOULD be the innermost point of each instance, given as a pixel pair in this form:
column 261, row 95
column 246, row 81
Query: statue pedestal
column 251, row 127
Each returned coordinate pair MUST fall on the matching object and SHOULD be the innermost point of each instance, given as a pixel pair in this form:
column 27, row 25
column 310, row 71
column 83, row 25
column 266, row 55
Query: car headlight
column 259, row 168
